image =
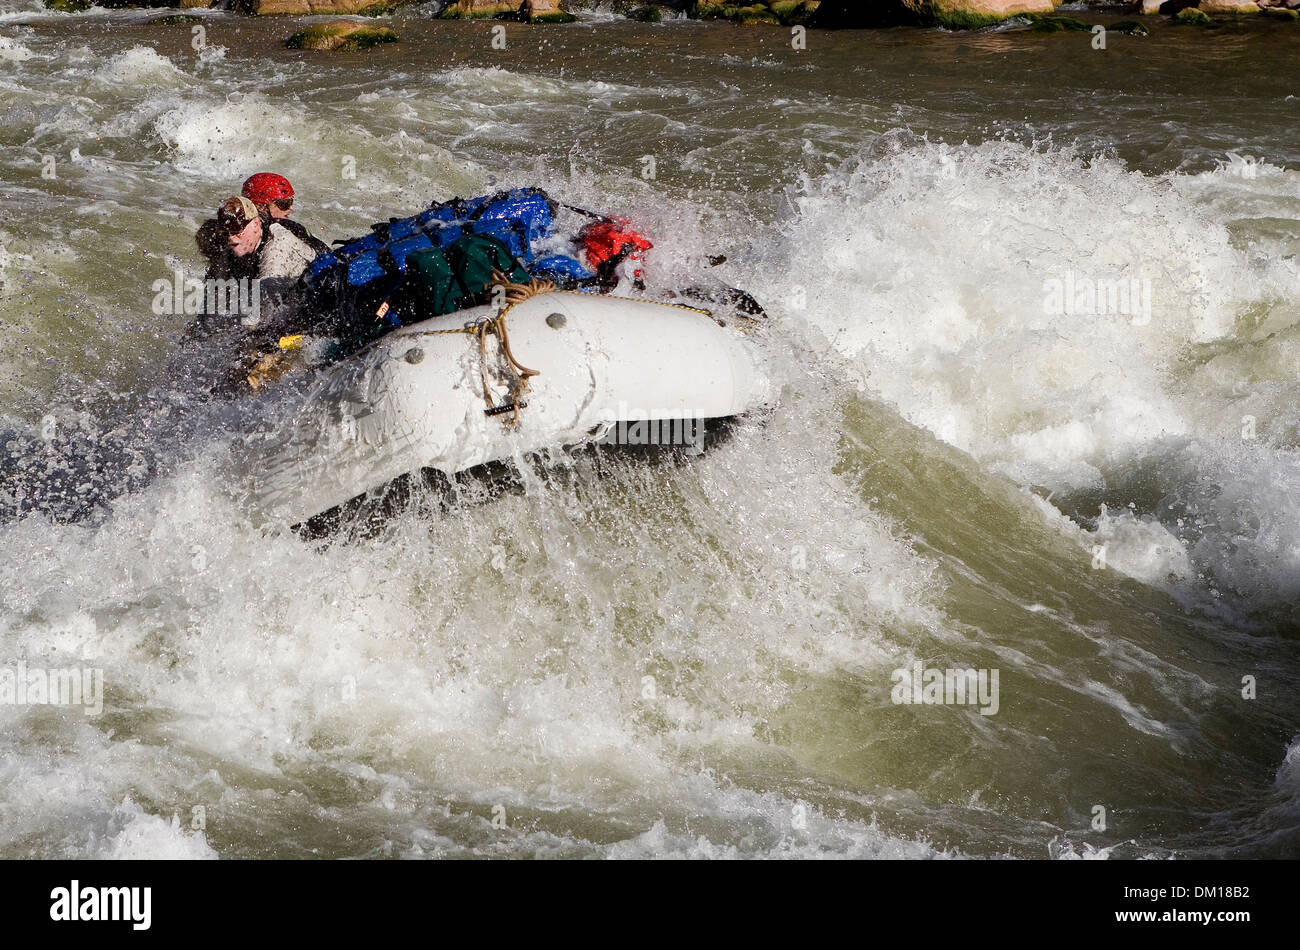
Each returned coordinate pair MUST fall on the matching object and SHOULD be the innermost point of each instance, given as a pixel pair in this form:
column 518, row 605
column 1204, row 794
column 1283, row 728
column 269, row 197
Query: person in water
column 281, row 243
column 261, row 261
column 242, row 244
column 273, row 196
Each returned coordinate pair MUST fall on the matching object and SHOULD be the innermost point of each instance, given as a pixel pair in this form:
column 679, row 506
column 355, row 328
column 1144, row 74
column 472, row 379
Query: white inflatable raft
column 480, row 385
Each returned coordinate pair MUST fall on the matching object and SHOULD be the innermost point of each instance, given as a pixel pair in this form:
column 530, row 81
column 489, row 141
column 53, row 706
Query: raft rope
column 515, row 294
column 496, row 326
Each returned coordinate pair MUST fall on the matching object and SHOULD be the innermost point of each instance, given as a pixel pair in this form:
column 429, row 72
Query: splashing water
column 631, row 658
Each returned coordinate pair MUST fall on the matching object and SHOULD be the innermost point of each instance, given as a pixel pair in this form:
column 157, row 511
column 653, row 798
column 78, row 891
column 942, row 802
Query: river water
column 1098, row 502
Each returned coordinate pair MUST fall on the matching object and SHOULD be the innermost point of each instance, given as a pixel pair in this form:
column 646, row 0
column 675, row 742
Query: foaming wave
column 777, row 830
column 617, row 620
column 23, row 10
column 939, row 272
column 219, row 140
column 133, row 835
column 927, row 264
column 141, row 65
column 225, row 141
column 12, row 51
column 26, row 11
column 516, row 87
column 1288, row 773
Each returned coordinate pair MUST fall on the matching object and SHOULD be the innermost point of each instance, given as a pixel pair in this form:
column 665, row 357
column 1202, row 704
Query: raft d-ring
column 556, row 320
column 414, row 355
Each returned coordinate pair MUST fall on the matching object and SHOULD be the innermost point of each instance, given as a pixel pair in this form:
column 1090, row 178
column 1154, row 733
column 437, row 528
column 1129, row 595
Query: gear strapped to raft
column 439, row 261
column 363, row 287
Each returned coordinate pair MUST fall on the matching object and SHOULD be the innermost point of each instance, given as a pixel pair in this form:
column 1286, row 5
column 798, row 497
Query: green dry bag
column 441, row 282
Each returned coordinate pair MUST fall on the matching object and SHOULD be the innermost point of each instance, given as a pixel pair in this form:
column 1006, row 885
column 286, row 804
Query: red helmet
column 265, row 187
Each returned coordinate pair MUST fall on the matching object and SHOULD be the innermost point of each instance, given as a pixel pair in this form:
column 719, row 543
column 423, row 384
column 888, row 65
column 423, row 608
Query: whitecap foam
column 141, row 65
column 1142, row 548
column 12, row 51
column 134, row 835
column 1288, row 773
column 931, row 268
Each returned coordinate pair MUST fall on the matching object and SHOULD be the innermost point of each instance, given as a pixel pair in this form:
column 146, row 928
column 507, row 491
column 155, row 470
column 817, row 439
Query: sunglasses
column 284, row 204
column 232, row 224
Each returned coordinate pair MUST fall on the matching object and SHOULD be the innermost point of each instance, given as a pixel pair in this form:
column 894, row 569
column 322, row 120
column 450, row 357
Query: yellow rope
column 482, row 331
column 472, row 328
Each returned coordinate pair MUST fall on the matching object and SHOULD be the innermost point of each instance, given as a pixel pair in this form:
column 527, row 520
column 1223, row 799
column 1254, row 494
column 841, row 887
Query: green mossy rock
column 756, row 14
column 1051, row 23
column 646, row 14
column 544, row 11
column 68, row 6
column 962, row 20
column 341, row 36
column 1193, row 17
column 1281, row 13
column 794, row 12
column 716, row 11
column 1131, row 27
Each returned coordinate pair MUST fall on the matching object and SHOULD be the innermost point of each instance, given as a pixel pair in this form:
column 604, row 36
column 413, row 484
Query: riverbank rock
column 477, row 10
column 342, row 35
column 529, row 11
column 1193, row 17
column 545, row 11
column 950, row 14
column 1227, row 6
column 972, row 14
column 772, row 14
column 317, row 7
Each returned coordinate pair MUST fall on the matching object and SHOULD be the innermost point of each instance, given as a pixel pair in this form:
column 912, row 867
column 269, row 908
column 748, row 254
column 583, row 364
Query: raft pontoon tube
column 546, row 370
